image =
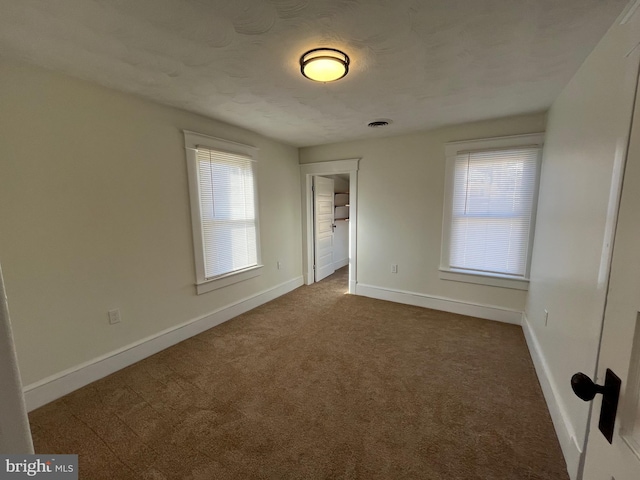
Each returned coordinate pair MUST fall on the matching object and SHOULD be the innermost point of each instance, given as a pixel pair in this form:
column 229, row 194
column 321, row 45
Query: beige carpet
column 317, row 385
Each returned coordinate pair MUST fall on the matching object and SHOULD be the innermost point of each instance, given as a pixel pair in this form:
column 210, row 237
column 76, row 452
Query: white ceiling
column 422, row 63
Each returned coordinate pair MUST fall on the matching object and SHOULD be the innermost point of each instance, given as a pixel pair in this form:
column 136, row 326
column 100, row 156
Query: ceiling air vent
column 379, row 123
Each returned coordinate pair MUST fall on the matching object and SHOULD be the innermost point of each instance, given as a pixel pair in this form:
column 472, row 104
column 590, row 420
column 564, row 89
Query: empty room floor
column 317, row 384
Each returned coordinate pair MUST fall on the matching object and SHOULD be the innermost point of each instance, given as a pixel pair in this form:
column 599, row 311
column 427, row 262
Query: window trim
column 452, row 149
column 191, row 142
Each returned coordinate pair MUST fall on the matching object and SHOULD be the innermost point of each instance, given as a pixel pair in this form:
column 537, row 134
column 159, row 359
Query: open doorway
column 331, row 228
column 336, row 169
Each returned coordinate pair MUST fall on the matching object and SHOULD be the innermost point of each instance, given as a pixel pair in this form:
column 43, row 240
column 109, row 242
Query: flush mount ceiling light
column 324, row 64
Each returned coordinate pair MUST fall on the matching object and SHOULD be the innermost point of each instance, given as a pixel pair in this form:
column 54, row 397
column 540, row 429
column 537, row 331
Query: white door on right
column 618, row 458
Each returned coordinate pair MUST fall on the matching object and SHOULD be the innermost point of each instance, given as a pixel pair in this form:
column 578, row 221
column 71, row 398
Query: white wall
column 400, row 201
column 341, row 244
column 340, row 185
column 586, row 135
column 94, row 214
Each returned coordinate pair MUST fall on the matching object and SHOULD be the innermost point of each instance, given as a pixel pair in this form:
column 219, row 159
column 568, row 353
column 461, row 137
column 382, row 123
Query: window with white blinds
column 491, row 210
column 224, row 210
column 226, row 184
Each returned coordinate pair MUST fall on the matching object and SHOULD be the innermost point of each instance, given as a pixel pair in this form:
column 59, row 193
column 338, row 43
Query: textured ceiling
column 422, row 63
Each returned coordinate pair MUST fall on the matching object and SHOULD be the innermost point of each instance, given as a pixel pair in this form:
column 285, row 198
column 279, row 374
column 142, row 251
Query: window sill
column 229, row 279
column 485, row 279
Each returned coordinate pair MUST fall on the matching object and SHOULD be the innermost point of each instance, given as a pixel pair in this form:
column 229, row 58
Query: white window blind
column 226, row 184
column 491, row 221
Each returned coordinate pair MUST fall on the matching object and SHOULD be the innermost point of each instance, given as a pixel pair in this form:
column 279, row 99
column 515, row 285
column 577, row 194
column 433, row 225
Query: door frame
column 15, row 434
column 307, row 171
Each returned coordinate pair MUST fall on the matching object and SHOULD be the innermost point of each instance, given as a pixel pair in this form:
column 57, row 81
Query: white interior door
column 620, row 344
column 323, row 227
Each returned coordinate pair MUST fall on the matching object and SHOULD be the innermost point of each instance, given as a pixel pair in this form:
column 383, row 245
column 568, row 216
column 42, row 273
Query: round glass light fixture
column 324, row 64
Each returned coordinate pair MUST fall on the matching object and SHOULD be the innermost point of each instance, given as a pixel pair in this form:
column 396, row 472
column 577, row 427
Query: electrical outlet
column 394, row 268
column 279, row 264
column 546, row 317
column 114, row 316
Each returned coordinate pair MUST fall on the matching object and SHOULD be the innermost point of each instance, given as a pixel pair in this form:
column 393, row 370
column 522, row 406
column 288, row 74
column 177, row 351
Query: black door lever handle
column 585, row 389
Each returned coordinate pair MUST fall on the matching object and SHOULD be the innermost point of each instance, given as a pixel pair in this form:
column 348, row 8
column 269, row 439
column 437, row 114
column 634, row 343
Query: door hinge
column 314, row 267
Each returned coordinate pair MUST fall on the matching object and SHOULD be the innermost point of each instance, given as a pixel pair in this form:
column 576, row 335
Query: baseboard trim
column 340, row 263
column 488, row 312
column 565, row 431
column 51, row 388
